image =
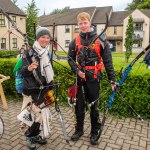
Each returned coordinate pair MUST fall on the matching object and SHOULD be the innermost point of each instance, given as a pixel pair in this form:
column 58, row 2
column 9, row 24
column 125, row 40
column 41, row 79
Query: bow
column 112, row 97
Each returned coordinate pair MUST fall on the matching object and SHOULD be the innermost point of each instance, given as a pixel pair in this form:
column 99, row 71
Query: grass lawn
column 119, row 62
column 114, row 54
column 138, row 68
column 61, row 53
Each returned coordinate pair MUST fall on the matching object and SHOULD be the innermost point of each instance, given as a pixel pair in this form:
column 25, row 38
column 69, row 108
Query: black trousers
column 88, row 91
column 33, row 130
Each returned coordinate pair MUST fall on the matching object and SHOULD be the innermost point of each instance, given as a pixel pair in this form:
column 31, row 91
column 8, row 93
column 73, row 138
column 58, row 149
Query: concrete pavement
column 118, row 134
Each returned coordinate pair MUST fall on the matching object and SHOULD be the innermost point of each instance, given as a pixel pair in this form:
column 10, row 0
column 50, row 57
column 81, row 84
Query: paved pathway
column 118, row 134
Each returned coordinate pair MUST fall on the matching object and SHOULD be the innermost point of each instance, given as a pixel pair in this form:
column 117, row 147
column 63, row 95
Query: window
column 115, row 30
column 138, row 26
column 137, row 43
column 14, row 42
column 14, row 18
column 76, row 29
column 3, row 43
column 2, row 19
column 67, row 43
column 67, row 29
column 137, row 37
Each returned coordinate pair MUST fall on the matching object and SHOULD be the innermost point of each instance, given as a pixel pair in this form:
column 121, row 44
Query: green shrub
column 135, row 90
column 8, row 53
column 6, row 67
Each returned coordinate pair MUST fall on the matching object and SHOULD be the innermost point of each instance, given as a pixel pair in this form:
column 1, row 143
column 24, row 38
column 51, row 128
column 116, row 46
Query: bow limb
column 52, row 54
column 53, row 44
column 99, row 36
column 129, row 67
column 25, row 36
column 12, row 22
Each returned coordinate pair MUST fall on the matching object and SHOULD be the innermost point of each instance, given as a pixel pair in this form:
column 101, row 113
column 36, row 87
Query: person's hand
column 33, row 66
column 113, row 85
column 81, row 74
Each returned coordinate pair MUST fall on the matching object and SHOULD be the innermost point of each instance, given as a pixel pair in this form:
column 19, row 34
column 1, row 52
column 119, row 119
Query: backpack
column 18, row 76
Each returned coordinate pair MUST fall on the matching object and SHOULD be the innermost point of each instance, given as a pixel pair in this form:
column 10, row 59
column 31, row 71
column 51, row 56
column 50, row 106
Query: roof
column 9, row 7
column 118, row 17
column 70, row 17
column 146, row 12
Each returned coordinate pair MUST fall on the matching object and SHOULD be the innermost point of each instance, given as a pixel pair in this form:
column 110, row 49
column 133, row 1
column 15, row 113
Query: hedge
column 9, row 53
column 136, row 89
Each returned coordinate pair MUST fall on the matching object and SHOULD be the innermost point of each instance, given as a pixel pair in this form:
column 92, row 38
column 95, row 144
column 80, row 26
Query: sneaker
column 94, row 139
column 76, row 135
column 30, row 143
column 38, row 139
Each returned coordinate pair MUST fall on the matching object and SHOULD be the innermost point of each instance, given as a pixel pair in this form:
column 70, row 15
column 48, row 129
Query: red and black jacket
column 92, row 56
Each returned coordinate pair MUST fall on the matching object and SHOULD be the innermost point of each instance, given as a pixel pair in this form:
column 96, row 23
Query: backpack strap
column 97, row 48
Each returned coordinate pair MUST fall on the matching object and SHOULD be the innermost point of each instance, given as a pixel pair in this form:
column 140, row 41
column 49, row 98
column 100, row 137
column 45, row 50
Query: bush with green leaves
column 6, row 68
column 135, row 90
column 9, row 53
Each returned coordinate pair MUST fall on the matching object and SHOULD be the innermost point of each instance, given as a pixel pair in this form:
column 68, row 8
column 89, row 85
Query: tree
column 144, row 5
column 140, row 4
column 32, row 18
column 129, row 38
column 60, row 11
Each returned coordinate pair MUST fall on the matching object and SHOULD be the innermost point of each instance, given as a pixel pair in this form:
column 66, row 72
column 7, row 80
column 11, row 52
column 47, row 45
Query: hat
column 40, row 31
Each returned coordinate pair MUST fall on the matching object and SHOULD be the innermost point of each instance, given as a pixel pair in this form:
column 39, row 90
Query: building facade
column 66, row 26
column 141, row 37
column 10, row 39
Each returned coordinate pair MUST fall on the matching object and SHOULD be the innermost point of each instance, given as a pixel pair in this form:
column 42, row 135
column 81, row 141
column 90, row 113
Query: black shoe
column 30, row 143
column 38, row 139
column 94, row 139
column 76, row 135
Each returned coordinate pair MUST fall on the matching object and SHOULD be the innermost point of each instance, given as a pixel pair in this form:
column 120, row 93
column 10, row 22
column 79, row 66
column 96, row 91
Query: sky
column 50, row 5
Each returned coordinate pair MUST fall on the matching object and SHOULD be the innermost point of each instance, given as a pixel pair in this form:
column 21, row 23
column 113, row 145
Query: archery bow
column 123, row 78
